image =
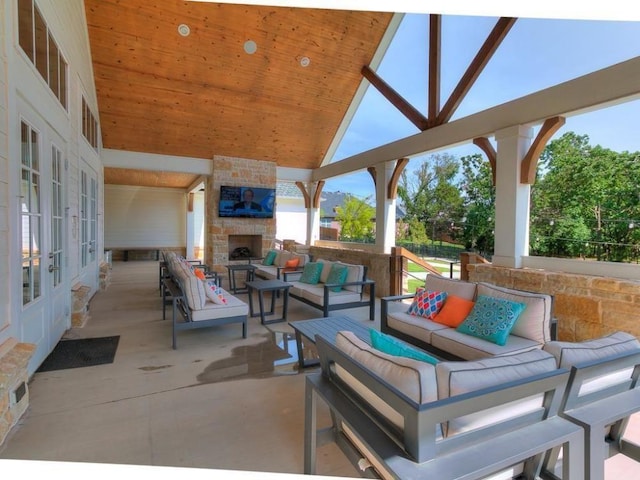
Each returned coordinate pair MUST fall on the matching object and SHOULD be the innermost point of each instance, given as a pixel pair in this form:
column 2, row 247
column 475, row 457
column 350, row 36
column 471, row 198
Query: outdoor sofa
column 440, row 319
column 198, row 301
column 332, row 285
column 497, row 417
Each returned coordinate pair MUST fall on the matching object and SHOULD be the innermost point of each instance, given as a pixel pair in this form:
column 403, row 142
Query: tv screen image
column 254, row 202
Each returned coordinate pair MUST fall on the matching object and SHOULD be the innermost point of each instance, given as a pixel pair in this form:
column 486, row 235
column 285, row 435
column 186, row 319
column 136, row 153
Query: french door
column 45, row 313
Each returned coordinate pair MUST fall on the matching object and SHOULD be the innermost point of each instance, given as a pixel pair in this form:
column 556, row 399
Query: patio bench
column 387, row 433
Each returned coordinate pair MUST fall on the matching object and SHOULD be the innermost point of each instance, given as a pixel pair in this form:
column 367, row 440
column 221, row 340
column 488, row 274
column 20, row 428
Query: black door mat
column 82, row 352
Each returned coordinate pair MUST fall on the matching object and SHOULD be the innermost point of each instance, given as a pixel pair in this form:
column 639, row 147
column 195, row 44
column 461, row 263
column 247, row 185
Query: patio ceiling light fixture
column 305, row 61
column 250, row 47
column 184, row 30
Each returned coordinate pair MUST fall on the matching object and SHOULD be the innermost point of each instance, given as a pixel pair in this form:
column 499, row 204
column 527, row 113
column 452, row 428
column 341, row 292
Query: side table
column 240, row 267
column 273, row 286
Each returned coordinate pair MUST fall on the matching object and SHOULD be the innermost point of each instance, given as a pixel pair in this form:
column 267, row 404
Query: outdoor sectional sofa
column 276, row 261
column 497, row 417
column 197, row 301
column 435, row 331
column 332, row 285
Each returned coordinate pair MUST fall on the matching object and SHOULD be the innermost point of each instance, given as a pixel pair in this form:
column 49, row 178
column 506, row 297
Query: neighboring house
column 330, row 201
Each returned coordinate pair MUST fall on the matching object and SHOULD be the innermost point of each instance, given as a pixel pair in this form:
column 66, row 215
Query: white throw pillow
column 214, row 292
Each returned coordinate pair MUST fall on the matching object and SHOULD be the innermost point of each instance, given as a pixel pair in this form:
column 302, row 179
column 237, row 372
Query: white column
column 385, row 209
column 512, row 198
column 190, row 228
column 313, row 217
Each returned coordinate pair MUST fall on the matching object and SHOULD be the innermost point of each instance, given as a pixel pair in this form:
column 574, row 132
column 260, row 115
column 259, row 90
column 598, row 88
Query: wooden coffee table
column 328, row 327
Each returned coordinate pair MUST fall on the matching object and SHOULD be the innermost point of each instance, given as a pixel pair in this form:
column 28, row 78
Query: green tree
column 479, row 203
column 430, row 196
column 356, row 219
column 585, row 200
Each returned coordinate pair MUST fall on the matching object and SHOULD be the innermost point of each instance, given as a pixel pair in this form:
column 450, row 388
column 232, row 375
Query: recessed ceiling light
column 184, row 30
column 305, row 61
column 250, row 47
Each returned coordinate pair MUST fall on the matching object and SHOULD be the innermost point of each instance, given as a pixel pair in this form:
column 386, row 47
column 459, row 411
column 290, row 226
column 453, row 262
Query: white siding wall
column 291, row 219
column 4, row 188
column 144, row 217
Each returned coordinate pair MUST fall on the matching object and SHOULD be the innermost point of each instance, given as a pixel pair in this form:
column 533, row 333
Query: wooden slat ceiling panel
column 147, row 178
column 201, row 95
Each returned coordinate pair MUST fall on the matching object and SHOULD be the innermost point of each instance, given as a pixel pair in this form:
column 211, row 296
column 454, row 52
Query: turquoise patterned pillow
column 337, row 274
column 392, row 346
column 427, row 303
column 271, row 256
column 492, row 319
column 311, row 273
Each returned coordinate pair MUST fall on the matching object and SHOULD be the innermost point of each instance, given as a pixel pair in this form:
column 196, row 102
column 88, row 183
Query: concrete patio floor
column 217, row 402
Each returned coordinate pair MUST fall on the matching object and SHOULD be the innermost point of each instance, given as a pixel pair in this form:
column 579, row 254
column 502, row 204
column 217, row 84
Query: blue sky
column 536, row 54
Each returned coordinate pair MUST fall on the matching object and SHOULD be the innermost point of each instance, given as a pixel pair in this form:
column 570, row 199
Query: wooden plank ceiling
column 202, row 95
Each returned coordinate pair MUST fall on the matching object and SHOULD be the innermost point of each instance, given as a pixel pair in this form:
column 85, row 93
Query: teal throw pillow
column 271, row 256
column 392, row 346
column 311, row 273
column 337, row 275
column 492, row 319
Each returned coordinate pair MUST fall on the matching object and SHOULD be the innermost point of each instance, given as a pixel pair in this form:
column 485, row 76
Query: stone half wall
column 236, row 172
column 14, row 390
column 586, row 306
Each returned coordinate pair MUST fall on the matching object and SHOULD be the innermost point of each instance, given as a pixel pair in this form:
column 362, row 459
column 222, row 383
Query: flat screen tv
column 253, row 202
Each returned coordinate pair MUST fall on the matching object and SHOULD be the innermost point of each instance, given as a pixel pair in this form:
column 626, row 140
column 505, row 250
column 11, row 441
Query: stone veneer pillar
column 235, row 172
column 14, row 391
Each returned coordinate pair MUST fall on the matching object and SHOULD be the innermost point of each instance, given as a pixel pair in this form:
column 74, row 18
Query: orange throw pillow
column 291, row 264
column 454, row 311
column 199, row 273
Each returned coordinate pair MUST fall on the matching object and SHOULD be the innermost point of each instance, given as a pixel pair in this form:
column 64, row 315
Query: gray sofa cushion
column 459, row 288
column 416, row 327
column 572, row 353
column 456, row 378
column 416, row 379
column 473, row 348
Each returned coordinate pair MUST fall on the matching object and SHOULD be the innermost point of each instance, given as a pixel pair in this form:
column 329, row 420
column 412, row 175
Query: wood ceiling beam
column 530, row 161
column 484, row 145
column 317, row 194
column 435, row 34
column 609, row 86
column 373, row 172
column 392, row 188
column 486, row 51
column 307, row 199
column 394, row 97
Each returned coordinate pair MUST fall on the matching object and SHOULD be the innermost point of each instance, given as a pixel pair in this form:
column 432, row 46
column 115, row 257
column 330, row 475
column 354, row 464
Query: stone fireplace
column 225, row 234
column 253, row 244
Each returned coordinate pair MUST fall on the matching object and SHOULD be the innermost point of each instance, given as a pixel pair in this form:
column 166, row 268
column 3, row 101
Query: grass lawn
column 440, row 266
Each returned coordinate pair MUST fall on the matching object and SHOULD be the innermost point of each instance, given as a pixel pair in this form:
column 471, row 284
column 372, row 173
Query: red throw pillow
column 454, row 311
column 199, row 273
